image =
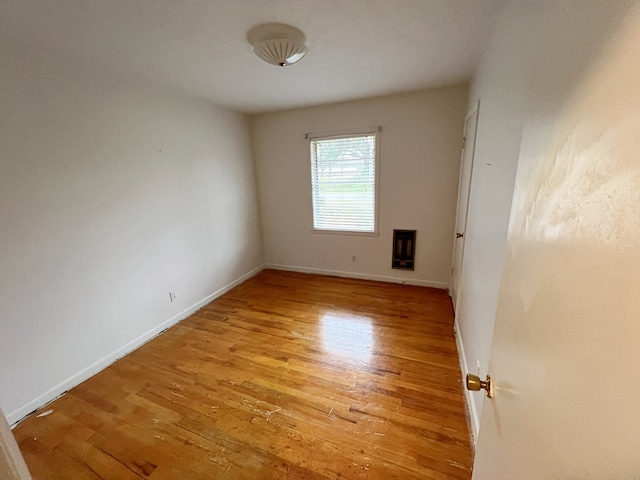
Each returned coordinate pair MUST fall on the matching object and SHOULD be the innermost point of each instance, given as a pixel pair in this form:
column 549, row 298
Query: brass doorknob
column 459, row 235
column 475, row 384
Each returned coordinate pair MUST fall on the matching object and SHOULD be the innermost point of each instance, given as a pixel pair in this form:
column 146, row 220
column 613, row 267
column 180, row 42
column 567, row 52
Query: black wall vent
column 404, row 249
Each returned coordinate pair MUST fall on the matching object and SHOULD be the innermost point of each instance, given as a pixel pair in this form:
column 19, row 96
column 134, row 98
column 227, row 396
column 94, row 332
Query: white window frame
column 375, row 131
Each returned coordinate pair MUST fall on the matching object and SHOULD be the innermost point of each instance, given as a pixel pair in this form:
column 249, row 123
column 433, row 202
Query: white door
column 12, row 466
column 464, row 185
column 565, row 359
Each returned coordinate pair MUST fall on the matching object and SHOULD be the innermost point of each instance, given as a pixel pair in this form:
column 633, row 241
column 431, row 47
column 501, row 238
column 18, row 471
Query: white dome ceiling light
column 277, row 43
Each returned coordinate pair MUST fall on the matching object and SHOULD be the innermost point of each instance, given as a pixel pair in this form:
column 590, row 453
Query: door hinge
column 464, row 141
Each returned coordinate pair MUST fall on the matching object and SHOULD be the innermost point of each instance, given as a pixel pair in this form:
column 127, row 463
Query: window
column 343, row 178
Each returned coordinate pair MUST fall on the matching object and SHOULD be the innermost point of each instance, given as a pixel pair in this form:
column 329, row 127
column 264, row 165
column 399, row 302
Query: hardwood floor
column 286, row 376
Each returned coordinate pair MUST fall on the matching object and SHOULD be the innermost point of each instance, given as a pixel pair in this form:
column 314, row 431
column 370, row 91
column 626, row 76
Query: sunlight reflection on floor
column 348, row 336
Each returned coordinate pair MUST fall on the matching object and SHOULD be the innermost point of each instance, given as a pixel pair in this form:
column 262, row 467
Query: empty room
column 319, row 239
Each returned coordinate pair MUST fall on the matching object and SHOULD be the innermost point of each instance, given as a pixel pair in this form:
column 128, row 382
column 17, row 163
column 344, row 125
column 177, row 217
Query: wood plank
column 288, row 375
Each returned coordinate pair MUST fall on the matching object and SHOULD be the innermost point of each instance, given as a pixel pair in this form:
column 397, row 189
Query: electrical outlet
column 353, row 258
column 172, row 296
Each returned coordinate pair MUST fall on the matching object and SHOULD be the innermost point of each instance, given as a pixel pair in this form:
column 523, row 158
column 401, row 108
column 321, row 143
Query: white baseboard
column 20, row 413
column 361, row 276
column 471, row 405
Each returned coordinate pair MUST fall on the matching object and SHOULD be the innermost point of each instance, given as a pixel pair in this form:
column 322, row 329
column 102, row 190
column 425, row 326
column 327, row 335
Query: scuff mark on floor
column 269, row 413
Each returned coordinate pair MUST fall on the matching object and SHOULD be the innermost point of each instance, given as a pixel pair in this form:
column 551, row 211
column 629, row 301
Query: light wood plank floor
column 286, row 376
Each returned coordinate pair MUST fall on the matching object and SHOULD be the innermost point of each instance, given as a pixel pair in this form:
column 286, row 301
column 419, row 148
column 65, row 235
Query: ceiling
column 357, row 48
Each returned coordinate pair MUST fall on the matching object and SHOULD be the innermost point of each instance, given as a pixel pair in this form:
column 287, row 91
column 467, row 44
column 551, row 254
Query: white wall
column 113, row 193
column 500, row 83
column 419, row 163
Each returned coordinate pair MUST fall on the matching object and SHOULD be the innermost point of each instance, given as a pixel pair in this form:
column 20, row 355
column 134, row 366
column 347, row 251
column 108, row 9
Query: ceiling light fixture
column 277, row 43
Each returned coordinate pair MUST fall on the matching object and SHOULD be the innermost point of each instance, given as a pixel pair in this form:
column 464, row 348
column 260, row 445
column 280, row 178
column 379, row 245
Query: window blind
column 343, row 172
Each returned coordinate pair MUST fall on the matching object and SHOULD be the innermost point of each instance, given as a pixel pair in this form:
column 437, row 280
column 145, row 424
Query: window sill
column 344, row 232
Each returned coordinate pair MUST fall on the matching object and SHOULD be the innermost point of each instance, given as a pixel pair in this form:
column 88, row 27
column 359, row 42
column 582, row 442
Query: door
column 12, row 466
column 566, row 344
column 464, row 186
